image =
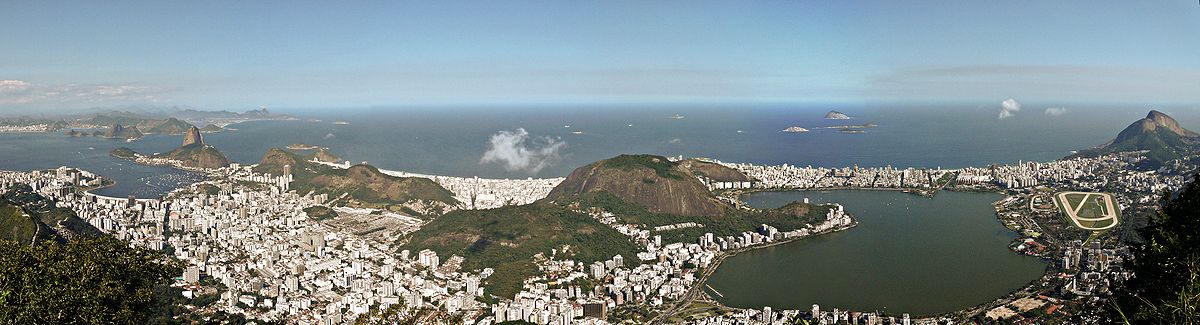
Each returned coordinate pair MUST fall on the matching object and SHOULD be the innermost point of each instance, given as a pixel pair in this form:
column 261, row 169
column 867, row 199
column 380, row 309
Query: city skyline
column 215, row 55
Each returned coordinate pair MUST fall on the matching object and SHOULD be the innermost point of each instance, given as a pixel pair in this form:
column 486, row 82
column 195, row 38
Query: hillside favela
column 616, row 162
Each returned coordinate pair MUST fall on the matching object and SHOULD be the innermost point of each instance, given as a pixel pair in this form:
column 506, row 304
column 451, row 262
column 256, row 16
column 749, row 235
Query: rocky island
column 795, row 129
column 211, row 128
column 835, row 115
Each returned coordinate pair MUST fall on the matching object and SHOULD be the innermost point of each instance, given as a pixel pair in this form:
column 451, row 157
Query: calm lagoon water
column 909, row 254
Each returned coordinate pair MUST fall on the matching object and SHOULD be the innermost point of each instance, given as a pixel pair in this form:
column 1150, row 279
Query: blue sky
column 245, row 54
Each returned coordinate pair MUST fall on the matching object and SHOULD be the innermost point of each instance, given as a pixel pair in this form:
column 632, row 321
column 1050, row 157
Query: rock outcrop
column 192, row 136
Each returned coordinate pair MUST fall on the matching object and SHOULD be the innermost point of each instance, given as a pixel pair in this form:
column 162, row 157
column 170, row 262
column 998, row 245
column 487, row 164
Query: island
column 852, row 126
column 793, row 129
column 212, row 128
column 835, row 115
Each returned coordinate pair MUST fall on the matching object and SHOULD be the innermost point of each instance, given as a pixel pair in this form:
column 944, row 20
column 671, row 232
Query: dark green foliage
column 1166, row 284
column 169, row 126
column 197, row 155
column 92, row 280
column 319, row 212
column 507, row 238
column 661, row 166
column 24, row 213
column 398, row 314
column 123, row 153
column 211, row 129
column 15, row 225
column 363, row 182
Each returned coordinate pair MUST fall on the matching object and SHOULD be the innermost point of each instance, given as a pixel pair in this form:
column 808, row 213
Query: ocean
column 453, row 141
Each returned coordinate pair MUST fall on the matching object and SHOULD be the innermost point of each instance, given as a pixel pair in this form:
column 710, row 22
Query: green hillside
column 789, row 217
column 197, row 155
column 1159, row 135
column 507, row 238
column 364, row 183
column 15, row 225
column 24, row 213
column 653, row 182
column 169, row 126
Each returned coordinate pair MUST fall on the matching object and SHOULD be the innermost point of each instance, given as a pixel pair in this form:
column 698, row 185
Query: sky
column 59, row 55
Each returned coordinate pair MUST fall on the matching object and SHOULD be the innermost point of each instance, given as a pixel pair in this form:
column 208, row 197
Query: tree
column 89, row 280
column 1165, row 288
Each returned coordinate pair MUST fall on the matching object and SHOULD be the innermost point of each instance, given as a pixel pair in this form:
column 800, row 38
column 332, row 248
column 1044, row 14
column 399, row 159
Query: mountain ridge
column 1158, row 134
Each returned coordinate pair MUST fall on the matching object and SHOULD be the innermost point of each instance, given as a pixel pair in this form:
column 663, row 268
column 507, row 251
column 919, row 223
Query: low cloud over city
column 518, row 151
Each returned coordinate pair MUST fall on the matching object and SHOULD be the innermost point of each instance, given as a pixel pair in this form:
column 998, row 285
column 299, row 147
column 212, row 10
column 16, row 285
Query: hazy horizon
column 308, row 55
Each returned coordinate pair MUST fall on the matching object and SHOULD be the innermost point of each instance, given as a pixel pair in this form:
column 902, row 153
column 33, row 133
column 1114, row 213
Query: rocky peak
column 1156, row 119
column 1151, row 123
column 192, row 136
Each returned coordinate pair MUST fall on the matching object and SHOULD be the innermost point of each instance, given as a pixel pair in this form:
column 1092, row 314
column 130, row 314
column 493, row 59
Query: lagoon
column 909, row 254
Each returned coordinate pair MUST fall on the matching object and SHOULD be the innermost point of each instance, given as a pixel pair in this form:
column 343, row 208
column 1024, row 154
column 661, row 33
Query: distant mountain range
column 1158, row 134
column 149, row 120
column 184, row 112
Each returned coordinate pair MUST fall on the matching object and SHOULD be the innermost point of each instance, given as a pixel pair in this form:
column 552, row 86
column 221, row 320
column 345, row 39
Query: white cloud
column 1008, row 108
column 23, row 92
column 1056, row 111
column 517, row 151
column 12, row 85
column 329, row 136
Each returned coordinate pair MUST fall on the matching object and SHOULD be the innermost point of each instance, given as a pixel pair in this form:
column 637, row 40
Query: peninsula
column 193, row 154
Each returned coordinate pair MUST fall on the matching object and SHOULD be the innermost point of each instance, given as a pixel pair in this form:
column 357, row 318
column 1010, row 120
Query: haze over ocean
column 452, row 141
